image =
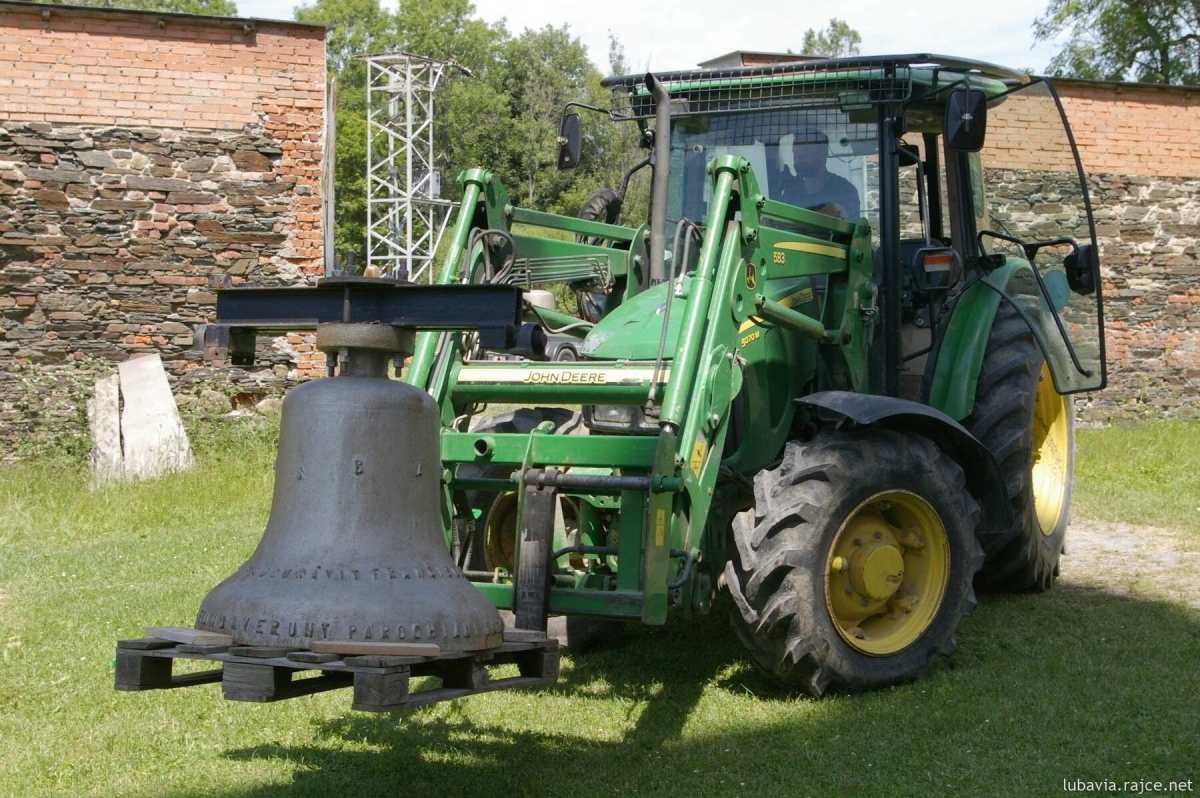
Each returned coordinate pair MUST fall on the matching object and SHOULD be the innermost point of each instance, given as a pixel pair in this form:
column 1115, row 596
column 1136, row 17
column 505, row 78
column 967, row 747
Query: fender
column 958, row 356
column 984, row 479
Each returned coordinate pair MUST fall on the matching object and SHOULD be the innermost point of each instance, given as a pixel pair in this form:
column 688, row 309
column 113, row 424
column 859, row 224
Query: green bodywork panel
column 960, row 355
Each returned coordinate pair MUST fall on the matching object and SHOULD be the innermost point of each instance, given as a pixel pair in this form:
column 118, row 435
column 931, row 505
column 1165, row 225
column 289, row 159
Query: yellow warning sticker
column 698, row 452
column 660, row 527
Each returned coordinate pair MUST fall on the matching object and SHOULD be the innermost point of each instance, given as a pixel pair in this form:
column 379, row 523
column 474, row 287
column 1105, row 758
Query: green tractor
column 827, row 372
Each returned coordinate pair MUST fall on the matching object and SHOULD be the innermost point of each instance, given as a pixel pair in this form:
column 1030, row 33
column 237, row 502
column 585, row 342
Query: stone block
column 98, row 159
column 164, row 184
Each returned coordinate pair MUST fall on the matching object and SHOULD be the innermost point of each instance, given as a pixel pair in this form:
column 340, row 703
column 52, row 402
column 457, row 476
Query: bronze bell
column 353, row 550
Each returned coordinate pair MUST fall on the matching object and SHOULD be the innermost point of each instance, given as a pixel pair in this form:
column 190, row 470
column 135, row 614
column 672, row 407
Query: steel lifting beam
column 493, row 310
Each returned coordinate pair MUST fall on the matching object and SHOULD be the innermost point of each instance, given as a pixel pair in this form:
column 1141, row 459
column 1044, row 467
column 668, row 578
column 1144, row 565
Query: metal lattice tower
column 406, row 215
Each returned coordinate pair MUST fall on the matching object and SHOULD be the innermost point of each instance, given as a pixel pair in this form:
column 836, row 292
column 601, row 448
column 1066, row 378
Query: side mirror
column 966, row 120
column 1082, row 266
column 570, row 141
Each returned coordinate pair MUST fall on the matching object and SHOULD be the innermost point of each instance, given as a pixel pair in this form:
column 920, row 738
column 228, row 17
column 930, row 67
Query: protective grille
column 844, row 83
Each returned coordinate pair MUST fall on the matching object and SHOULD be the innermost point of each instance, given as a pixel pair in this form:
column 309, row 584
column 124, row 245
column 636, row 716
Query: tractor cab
column 964, row 172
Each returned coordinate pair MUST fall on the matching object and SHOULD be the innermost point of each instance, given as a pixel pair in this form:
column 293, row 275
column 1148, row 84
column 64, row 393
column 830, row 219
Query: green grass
column 1140, row 474
column 1070, row 684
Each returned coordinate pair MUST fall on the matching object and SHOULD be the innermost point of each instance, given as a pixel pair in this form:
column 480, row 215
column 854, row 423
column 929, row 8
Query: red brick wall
column 1120, row 129
column 118, row 69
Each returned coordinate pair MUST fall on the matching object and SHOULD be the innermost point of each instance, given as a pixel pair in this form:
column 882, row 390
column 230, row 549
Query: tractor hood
column 632, row 331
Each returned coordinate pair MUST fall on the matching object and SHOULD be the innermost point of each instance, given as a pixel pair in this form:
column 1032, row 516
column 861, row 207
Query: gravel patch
column 1141, row 561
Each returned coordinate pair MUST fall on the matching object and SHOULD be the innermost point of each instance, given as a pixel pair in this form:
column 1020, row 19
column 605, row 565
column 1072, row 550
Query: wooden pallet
column 381, row 683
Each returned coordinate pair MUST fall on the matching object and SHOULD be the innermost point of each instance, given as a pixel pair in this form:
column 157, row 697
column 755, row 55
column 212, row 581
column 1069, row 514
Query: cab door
column 1030, row 209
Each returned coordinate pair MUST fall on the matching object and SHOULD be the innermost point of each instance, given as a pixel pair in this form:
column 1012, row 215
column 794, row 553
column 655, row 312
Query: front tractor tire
column 1030, row 429
column 855, row 566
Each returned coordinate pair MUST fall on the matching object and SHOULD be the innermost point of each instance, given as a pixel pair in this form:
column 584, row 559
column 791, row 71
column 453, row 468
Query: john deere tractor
column 828, row 370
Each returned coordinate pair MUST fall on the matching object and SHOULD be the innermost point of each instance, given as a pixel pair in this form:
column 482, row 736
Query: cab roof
column 858, row 80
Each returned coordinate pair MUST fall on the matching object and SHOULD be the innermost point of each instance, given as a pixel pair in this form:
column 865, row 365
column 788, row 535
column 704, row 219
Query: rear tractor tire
column 855, row 566
column 1030, row 429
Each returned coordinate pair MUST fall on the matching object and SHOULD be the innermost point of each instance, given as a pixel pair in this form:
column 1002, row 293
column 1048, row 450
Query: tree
column 1155, row 41
column 503, row 117
column 836, row 41
column 216, row 8
column 542, row 71
column 465, row 108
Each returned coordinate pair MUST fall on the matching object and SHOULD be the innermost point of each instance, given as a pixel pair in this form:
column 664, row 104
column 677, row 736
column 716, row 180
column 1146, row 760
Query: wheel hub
column 876, row 570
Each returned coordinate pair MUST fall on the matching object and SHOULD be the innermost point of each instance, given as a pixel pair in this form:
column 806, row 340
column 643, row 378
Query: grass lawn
column 1074, row 684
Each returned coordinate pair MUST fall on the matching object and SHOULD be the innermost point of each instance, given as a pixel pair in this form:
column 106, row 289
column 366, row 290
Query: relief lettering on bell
column 354, row 549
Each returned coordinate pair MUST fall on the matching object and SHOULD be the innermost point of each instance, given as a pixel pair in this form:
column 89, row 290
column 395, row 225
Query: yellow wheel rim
column 886, row 573
column 501, row 532
column 1051, row 448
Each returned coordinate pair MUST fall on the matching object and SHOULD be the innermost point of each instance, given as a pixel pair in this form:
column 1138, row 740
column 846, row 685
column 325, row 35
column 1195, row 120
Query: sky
column 678, row 34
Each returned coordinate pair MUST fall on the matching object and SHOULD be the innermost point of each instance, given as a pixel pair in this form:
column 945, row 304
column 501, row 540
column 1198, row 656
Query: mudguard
column 984, row 478
column 958, row 354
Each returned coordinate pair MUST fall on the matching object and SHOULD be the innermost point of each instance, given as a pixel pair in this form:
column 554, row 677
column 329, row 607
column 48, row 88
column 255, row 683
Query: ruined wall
column 141, row 166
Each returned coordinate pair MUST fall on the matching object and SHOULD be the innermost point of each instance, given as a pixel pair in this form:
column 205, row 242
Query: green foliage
column 503, row 117
column 836, row 41
column 216, row 8
column 1154, row 41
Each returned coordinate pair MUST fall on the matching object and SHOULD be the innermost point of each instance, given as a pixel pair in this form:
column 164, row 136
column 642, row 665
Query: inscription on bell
column 354, row 574
column 295, row 631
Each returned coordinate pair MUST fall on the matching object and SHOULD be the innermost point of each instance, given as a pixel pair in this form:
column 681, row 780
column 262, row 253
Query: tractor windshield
column 1028, row 189
column 816, row 158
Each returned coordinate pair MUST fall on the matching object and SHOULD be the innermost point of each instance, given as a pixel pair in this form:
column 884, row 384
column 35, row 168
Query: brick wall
column 144, row 159
column 1128, row 129
column 1140, row 149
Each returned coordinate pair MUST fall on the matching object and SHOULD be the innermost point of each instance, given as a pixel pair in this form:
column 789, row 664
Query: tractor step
column 381, row 683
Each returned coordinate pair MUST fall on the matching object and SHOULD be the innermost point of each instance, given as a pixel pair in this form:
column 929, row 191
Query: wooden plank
column 154, row 440
column 104, row 422
column 379, row 649
column 524, row 636
column 199, row 648
column 260, row 652
column 144, row 643
column 312, row 657
column 376, row 661
column 183, row 634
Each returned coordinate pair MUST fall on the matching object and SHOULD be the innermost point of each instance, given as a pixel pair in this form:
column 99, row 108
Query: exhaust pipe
column 662, row 174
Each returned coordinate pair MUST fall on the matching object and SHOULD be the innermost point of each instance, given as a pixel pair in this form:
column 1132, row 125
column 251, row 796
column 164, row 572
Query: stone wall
column 142, row 166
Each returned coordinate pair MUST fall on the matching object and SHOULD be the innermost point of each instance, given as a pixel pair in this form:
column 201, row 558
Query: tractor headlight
column 629, row 419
